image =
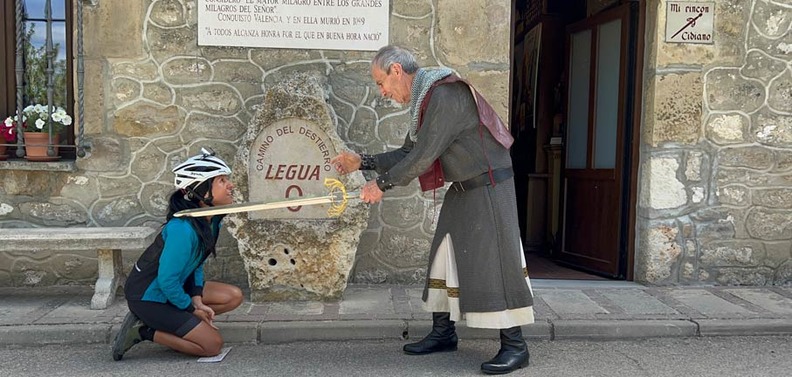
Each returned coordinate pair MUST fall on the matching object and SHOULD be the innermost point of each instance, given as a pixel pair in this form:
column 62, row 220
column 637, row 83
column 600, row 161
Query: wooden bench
column 108, row 243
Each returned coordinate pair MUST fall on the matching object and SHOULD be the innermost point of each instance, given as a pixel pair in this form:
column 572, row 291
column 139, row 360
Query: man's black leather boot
column 513, row 353
column 443, row 337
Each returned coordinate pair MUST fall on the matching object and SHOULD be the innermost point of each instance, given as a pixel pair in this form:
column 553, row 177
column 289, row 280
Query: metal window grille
column 19, row 70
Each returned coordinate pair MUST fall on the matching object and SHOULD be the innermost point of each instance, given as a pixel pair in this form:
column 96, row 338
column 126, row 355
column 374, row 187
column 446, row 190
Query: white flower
column 57, row 117
column 28, row 109
column 40, row 123
column 67, row 120
column 9, row 122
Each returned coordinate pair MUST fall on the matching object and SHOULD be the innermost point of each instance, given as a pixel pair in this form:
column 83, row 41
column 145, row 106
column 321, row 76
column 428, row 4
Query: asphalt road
column 709, row 356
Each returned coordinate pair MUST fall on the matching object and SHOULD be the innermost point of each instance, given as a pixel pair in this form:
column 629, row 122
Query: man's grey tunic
column 482, row 222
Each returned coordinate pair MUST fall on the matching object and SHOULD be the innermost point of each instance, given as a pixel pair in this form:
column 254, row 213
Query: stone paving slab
column 564, row 302
column 636, row 301
column 764, row 298
column 707, row 303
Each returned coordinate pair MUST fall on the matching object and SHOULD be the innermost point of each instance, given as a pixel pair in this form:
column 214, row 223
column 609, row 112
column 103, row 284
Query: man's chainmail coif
column 423, row 80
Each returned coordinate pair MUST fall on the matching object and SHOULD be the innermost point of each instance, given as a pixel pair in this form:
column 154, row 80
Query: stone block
column 730, row 253
column 146, row 70
column 659, row 252
column 769, row 223
column 411, row 8
column 158, row 92
column 164, row 43
column 168, row 13
column 155, row 198
column 760, row 66
column 94, row 103
column 730, row 128
column 772, row 128
column 125, row 91
column 736, row 195
column 727, row 90
column 116, row 211
column 758, row 158
column 676, row 109
column 458, row 36
column 114, row 30
column 404, row 213
column 220, row 99
column 758, row 276
column 54, row 214
column 115, row 186
column 187, row 70
column 203, row 126
column 246, row 77
column 148, row 164
column 143, row 119
column 779, row 93
column 773, row 198
column 80, row 188
column 413, row 34
column 402, row 249
column 106, row 155
column 660, row 187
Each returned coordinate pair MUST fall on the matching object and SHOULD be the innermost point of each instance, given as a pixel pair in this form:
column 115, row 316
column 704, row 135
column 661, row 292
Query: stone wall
column 153, row 97
column 715, row 201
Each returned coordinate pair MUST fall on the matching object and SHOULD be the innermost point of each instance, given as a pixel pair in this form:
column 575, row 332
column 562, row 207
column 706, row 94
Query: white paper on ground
column 215, row 359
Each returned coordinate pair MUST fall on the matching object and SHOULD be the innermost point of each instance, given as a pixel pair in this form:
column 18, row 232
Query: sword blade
column 254, row 206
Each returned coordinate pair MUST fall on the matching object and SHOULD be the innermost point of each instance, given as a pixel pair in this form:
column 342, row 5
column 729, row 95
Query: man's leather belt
column 499, row 175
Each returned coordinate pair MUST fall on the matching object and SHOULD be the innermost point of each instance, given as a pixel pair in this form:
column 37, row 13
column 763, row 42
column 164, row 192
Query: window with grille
column 34, row 22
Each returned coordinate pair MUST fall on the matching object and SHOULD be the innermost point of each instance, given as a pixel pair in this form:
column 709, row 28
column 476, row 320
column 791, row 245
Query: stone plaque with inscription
column 290, row 159
column 307, row 24
column 297, row 253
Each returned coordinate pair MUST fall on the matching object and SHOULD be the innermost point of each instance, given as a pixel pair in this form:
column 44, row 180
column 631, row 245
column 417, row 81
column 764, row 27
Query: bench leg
column 111, row 277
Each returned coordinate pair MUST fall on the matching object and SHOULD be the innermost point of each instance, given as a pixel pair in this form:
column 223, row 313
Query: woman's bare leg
column 221, row 297
column 203, row 340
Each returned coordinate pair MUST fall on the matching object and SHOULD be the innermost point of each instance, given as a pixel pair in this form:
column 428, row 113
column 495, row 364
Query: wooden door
column 597, row 73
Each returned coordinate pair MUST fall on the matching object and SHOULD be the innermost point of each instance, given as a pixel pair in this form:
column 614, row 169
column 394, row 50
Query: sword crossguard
column 340, row 197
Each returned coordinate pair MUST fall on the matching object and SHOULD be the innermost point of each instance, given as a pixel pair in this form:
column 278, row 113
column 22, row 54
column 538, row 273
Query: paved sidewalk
column 564, row 310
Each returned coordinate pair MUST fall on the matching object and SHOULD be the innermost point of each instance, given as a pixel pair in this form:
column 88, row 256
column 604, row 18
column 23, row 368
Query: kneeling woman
column 169, row 302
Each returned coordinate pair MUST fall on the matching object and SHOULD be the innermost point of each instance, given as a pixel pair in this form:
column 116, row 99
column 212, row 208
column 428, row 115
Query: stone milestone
column 298, row 252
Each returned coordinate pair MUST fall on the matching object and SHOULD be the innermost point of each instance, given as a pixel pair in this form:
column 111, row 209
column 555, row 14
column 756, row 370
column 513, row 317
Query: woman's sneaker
column 127, row 336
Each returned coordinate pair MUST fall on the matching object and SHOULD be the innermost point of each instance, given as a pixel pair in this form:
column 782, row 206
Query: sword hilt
column 340, row 197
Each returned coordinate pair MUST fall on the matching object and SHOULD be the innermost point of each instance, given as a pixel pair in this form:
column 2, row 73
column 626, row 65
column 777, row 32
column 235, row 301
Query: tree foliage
column 35, row 86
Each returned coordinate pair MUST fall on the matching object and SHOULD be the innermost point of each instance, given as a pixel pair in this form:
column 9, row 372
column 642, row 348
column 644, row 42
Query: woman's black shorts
column 164, row 317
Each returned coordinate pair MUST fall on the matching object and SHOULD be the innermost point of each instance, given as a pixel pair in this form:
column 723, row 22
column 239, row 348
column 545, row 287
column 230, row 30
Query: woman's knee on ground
column 207, row 338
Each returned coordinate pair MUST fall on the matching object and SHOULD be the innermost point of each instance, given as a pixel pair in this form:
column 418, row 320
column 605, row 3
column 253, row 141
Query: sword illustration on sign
column 691, row 22
column 338, row 199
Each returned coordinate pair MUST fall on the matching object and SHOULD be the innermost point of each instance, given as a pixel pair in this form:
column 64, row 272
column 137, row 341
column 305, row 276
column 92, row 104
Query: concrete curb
column 296, row 331
column 28, row 335
column 622, row 329
column 732, row 327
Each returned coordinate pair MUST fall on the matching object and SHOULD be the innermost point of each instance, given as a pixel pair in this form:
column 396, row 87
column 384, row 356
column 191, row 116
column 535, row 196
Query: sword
column 338, row 199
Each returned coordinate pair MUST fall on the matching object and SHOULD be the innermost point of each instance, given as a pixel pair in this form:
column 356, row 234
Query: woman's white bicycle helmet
column 198, row 169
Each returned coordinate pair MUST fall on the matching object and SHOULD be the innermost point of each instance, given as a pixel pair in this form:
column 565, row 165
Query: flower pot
column 36, row 146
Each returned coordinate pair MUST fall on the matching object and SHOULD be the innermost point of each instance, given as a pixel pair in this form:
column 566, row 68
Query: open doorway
column 574, row 111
